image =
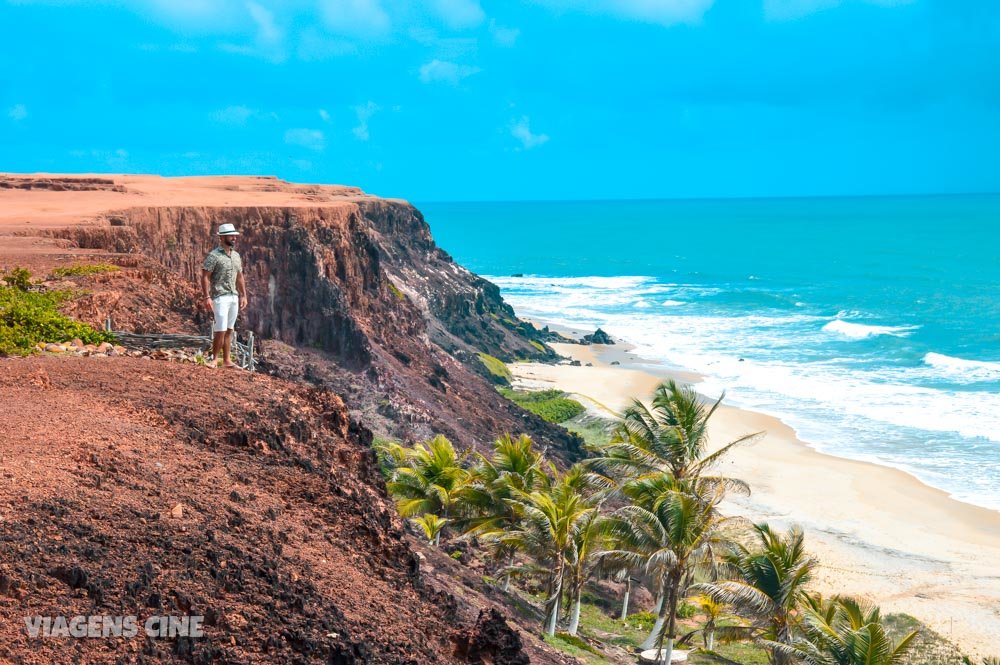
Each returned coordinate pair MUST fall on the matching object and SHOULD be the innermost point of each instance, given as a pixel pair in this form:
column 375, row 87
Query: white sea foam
column 673, row 303
column 963, row 370
column 864, row 331
column 901, row 415
column 596, row 282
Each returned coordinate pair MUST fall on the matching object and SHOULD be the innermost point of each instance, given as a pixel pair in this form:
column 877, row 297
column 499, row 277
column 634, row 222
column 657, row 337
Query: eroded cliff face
column 144, row 487
column 362, row 301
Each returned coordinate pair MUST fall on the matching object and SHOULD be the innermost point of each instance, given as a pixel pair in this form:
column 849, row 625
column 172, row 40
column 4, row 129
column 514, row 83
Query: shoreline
column 878, row 531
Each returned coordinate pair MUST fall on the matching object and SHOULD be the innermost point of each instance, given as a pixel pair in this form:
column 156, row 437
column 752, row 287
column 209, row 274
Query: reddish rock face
column 362, row 301
column 138, row 487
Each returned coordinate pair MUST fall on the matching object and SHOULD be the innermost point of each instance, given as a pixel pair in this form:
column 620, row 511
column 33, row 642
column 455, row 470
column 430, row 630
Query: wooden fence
column 243, row 352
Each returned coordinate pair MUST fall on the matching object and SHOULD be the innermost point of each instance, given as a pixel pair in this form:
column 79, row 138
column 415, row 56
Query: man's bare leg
column 227, row 350
column 218, row 342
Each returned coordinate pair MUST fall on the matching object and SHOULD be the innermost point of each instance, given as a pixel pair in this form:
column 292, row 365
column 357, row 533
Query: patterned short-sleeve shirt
column 224, row 268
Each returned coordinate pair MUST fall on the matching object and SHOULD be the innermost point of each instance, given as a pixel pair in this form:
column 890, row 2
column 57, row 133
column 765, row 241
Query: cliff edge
column 131, row 486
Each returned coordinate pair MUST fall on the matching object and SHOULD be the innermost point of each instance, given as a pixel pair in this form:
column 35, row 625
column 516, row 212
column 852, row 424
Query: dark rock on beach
column 597, row 337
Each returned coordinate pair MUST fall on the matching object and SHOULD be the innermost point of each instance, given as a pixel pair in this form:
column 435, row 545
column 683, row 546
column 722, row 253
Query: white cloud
column 666, row 12
column 267, row 30
column 234, row 115
column 521, row 130
column 268, row 40
column 440, row 71
column 458, row 14
column 324, row 115
column 503, row 36
column 18, row 112
column 364, row 113
column 355, row 17
column 313, row 139
column 788, row 10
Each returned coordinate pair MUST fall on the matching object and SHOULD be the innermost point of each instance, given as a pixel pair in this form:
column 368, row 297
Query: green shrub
column 538, row 346
column 27, row 318
column 571, row 644
column 395, row 291
column 642, row 620
column 686, row 610
column 551, row 405
column 84, row 269
column 498, row 371
column 18, row 278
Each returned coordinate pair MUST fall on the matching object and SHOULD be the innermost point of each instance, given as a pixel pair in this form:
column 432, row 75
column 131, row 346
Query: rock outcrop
column 354, row 295
column 137, row 487
column 597, row 337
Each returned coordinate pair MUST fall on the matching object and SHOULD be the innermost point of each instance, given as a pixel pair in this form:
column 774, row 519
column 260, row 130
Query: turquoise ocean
column 870, row 325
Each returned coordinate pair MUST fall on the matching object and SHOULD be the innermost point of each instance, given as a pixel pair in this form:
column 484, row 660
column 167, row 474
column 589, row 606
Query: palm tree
column 428, row 480
column 432, row 526
column 486, row 497
column 767, row 587
column 588, row 541
column 666, row 530
column 845, row 631
column 671, row 436
column 551, row 518
column 712, row 611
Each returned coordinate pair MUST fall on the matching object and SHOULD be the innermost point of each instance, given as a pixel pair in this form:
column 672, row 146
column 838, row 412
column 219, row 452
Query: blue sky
column 481, row 100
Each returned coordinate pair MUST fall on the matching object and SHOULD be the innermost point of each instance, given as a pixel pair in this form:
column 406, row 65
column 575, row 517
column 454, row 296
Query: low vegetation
column 29, row 316
column 551, row 405
column 644, row 508
column 84, row 269
column 395, row 290
column 497, row 369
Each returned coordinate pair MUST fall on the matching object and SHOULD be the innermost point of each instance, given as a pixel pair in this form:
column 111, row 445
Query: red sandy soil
column 40, row 200
column 285, row 540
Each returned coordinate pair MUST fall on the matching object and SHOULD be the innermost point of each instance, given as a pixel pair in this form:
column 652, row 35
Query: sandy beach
column 878, row 532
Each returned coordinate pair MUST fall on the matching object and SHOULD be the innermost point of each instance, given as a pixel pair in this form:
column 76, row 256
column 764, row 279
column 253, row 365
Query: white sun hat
column 228, row 230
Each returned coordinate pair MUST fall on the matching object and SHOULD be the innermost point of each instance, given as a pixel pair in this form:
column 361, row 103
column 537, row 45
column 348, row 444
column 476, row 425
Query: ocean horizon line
column 689, row 199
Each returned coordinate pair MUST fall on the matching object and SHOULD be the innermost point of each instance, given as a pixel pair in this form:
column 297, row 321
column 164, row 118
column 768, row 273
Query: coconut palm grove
column 643, row 509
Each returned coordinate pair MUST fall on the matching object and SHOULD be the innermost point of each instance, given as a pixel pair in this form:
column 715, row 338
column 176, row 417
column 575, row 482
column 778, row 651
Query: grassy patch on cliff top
column 29, row 317
column 496, row 368
column 551, row 405
column 84, row 269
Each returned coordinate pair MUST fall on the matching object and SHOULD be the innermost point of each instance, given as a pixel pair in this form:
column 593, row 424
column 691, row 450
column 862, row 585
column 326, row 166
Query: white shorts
column 226, row 309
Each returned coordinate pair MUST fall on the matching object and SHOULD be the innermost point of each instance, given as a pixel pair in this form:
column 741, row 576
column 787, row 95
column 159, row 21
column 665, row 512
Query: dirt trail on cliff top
column 53, row 201
column 284, row 540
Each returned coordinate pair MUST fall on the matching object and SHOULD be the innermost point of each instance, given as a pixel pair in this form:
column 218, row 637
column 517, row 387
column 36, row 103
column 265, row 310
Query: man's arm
column 241, row 288
column 206, row 287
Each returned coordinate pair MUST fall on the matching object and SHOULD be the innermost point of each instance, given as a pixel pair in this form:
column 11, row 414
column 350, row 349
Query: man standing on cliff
column 224, row 290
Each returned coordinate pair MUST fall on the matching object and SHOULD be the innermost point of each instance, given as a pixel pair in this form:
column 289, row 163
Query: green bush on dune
column 84, row 269
column 550, row 405
column 29, row 317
